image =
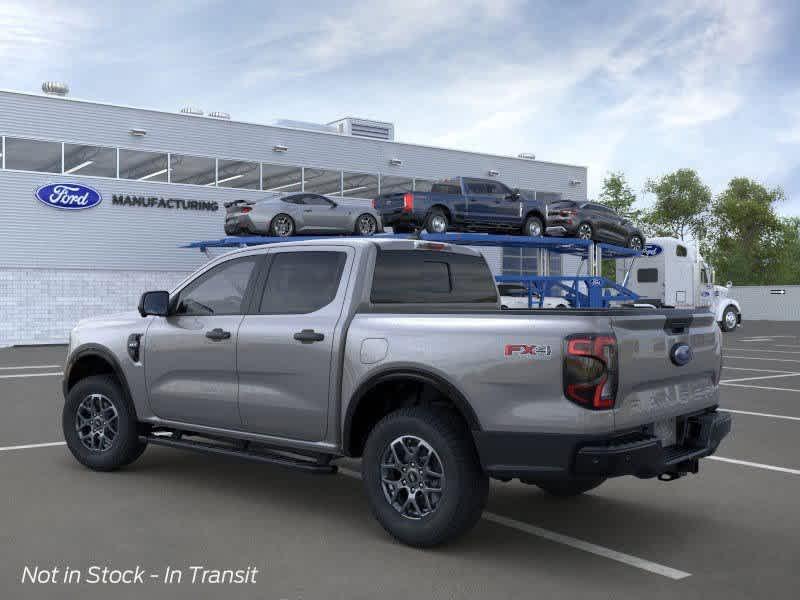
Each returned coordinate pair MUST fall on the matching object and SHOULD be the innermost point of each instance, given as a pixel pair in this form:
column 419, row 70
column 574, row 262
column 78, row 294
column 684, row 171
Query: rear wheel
column 569, row 487
column 232, row 230
column 730, row 319
column 422, row 476
column 366, row 225
column 437, row 222
column 533, row 227
column 584, row 231
column 635, row 242
column 282, row 226
column 99, row 424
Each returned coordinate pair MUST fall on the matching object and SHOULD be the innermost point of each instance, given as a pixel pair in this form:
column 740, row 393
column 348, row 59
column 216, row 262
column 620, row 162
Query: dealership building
column 161, row 179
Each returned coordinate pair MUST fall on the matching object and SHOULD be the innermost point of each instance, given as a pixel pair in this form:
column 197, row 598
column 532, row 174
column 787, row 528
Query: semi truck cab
column 672, row 273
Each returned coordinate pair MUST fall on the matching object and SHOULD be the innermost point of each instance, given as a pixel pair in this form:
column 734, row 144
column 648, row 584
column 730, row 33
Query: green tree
column 618, row 195
column 749, row 243
column 681, row 205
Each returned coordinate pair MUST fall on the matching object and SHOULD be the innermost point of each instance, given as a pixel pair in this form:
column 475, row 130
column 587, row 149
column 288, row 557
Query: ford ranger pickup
column 396, row 352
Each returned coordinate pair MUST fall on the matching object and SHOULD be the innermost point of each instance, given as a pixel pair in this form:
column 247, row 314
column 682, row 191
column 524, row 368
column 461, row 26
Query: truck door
column 190, row 356
column 477, row 203
column 705, row 288
column 285, row 348
column 504, row 206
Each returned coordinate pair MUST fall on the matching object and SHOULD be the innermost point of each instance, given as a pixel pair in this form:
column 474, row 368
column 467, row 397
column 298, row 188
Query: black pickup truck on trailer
column 464, row 204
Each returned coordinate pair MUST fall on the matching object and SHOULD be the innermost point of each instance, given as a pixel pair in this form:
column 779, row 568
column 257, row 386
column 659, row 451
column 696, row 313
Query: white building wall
column 767, row 303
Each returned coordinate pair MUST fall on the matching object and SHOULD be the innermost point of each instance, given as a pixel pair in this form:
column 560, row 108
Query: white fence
column 768, row 302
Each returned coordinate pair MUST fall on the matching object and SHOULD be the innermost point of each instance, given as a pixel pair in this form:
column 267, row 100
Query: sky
column 639, row 87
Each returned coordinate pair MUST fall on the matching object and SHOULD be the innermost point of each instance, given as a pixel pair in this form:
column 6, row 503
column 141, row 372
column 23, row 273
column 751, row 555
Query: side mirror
column 729, row 285
column 154, row 303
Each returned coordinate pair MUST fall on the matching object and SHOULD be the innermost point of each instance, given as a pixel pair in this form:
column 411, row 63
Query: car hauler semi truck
column 671, row 272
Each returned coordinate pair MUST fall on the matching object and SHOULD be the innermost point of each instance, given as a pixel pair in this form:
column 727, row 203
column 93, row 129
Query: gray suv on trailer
column 397, row 352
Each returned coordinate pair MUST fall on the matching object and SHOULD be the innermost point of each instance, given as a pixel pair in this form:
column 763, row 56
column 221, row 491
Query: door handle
column 308, row 210
column 218, row 334
column 308, row 336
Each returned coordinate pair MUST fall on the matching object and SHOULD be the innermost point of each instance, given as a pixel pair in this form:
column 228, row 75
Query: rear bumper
column 532, row 456
column 398, row 217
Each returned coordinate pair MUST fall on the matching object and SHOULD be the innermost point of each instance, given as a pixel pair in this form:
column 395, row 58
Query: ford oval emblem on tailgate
column 69, row 196
column 680, row 354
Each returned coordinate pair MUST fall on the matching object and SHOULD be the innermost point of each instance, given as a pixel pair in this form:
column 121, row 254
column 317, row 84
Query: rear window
column 647, row 275
column 428, row 276
column 445, row 188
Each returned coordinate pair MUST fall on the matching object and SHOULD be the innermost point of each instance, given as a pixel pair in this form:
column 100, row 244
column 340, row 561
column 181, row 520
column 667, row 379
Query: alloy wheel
column 367, row 225
column 730, row 319
column 585, row 231
column 412, row 477
column 97, row 422
column 534, row 228
column 438, row 224
column 282, row 226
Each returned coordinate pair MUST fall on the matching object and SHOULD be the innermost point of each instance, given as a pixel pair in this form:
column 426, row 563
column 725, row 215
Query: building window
column 238, row 174
column 396, row 185
column 33, row 155
column 423, row 185
column 90, row 160
column 280, row 178
column 360, row 185
column 195, row 170
column 524, row 261
column 144, row 166
column 323, row 181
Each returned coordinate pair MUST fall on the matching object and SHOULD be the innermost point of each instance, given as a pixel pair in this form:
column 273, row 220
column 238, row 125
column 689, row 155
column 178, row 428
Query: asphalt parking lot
column 733, row 531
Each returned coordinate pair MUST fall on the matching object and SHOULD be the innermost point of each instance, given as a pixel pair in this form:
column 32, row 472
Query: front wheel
column 99, row 424
column 564, row 488
column 366, row 225
column 730, row 319
column 533, row 227
column 422, row 476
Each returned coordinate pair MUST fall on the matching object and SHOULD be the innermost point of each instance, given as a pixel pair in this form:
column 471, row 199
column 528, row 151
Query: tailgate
column 653, row 389
column 388, row 203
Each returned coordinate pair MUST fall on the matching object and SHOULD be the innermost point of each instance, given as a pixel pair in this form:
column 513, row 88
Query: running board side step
column 319, row 466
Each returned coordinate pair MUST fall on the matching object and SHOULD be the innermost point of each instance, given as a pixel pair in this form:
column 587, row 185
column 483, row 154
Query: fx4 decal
column 532, row 351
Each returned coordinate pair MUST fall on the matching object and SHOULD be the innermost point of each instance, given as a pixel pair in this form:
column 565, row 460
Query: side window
column 703, row 276
column 301, row 282
column 680, row 251
column 317, row 201
column 295, row 199
column 647, row 275
column 497, row 188
column 474, row 187
column 219, row 291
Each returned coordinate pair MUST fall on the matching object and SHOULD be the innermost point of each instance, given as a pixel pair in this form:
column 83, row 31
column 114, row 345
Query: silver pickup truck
column 397, row 352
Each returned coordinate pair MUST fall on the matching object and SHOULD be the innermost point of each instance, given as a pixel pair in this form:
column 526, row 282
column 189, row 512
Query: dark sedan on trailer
column 592, row 221
column 283, row 215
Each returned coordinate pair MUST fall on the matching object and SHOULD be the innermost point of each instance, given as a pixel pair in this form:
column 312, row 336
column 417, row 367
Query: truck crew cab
column 464, row 204
column 670, row 272
column 396, row 352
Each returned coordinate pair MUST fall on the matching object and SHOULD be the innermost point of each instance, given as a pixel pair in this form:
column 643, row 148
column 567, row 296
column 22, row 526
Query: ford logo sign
column 680, row 354
column 69, row 196
column 652, row 250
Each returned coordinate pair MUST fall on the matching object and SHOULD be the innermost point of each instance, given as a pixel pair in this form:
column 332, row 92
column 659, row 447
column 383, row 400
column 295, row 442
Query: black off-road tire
column 436, row 213
column 125, row 447
column 564, row 488
column 465, row 486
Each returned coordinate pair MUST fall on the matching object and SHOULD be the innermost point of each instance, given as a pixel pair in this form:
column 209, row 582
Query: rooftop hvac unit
column 303, row 125
column 376, row 130
column 192, row 110
column 55, row 88
column 217, row 114
column 527, row 155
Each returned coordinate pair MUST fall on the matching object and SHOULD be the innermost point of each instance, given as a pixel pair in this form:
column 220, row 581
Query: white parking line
column 759, row 387
column 747, row 463
column 759, row 377
column 29, row 446
column 621, row 557
column 31, row 367
column 755, row 370
column 763, row 350
column 792, row 360
column 31, row 375
column 758, row 414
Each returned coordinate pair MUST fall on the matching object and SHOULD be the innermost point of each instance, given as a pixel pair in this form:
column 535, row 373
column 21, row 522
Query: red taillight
column 408, row 202
column 375, row 203
column 246, row 209
column 590, row 370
